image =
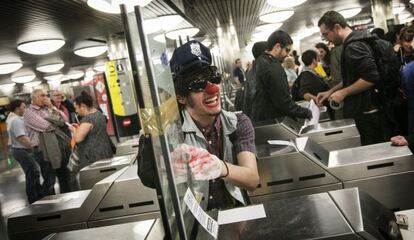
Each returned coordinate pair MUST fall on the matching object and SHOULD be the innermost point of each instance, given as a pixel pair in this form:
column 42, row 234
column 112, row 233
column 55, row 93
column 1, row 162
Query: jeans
column 48, row 173
column 31, row 172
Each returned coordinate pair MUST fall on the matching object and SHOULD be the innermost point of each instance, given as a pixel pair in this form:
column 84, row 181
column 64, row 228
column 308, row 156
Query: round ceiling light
column 397, row 9
column 54, row 67
column 41, row 47
column 152, row 25
column 6, row 68
column 112, row 6
column 23, row 78
column 7, row 86
column 33, row 84
column 284, row 3
column 99, row 68
column 75, row 74
column 277, row 17
column 269, row 27
column 160, row 38
column 183, row 32
column 53, row 77
column 351, row 12
column 169, row 22
column 91, row 51
column 206, row 42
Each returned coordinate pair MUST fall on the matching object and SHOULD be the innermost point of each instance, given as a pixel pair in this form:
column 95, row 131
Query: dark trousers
column 370, row 128
column 63, row 175
column 31, row 172
column 48, row 173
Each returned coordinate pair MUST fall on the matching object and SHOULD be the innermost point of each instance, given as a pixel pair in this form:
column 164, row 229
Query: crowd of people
column 41, row 138
column 345, row 70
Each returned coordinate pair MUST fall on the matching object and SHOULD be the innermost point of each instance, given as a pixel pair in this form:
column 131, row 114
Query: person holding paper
column 273, row 99
column 219, row 145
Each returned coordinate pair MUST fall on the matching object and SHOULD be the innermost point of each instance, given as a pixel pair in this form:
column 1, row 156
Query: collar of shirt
column 308, row 69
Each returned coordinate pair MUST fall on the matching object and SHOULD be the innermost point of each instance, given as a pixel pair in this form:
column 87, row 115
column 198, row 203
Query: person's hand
column 397, row 47
column 337, row 96
column 399, row 141
column 203, row 165
column 321, row 97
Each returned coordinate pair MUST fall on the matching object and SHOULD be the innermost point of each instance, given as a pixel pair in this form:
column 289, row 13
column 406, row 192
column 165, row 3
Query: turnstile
column 143, row 230
column 324, row 115
column 90, row 175
column 332, row 135
column 127, row 200
column 385, row 172
column 58, row 213
column 285, row 171
column 128, row 147
column 119, row 198
column 346, row 214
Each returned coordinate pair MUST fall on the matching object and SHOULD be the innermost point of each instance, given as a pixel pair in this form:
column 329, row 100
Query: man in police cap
column 221, row 143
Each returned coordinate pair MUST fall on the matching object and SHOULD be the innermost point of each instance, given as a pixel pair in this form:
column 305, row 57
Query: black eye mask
column 196, row 81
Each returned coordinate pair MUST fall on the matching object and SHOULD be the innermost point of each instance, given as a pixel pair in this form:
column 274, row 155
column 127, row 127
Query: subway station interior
column 208, row 119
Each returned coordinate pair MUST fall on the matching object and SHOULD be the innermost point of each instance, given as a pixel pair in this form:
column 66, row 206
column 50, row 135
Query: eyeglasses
column 287, row 50
column 200, row 84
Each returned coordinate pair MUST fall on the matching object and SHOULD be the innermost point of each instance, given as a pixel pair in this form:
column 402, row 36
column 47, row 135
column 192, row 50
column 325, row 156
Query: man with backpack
column 360, row 77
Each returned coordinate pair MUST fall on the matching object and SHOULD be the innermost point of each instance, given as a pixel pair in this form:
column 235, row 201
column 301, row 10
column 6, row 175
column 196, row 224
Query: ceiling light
column 53, row 77
column 397, row 9
column 261, row 35
column 41, row 47
column 160, row 38
column 412, row 1
column 351, row 12
column 54, row 67
column 23, row 78
column 169, row 22
column 404, row 15
column 277, row 17
column 92, row 51
column 307, row 32
column 33, row 84
column 7, row 86
column 184, row 32
column 269, row 27
column 112, row 6
column 75, row 74
column 285, row 3
column 99, row 68
column 6, row 68
column 407, row 20
column 152, row 25
column 206, row 42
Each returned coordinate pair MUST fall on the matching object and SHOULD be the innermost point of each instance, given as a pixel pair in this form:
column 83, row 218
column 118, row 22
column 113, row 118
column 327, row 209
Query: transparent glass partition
column 160, row 120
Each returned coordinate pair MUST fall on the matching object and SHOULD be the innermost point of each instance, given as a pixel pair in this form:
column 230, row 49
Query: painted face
column 204, row 103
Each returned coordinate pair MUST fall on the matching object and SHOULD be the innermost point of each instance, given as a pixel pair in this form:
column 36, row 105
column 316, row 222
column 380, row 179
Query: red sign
column 126, row 122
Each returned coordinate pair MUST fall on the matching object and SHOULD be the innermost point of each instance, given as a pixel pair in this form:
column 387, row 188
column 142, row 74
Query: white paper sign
column 241, row 214
column 280, row 142
column 209, row 224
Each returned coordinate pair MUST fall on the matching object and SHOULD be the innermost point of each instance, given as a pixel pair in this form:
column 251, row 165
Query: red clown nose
column 211, row 88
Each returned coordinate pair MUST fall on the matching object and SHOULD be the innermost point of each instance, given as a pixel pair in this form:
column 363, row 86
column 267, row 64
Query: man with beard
column 359, row 76
column 220, row 143
column 272, row 99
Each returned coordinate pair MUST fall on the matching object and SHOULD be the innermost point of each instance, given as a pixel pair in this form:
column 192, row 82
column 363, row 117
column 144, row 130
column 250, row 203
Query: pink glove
column 204, row 166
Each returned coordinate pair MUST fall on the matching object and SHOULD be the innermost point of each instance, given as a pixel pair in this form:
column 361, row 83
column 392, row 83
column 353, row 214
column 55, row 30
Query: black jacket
column 311, row 83
column 272, row 99
column 357, row 61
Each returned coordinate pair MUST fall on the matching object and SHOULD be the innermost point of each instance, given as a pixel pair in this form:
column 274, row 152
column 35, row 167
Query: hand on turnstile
column 179, row 159
column 399, row 141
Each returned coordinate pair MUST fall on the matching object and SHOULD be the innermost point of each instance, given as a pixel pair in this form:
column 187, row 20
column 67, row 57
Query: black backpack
column 388, row 87
column 295, row 90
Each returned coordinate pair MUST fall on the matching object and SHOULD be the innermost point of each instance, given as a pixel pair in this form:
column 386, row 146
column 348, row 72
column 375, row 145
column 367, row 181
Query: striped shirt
column 35, row 122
